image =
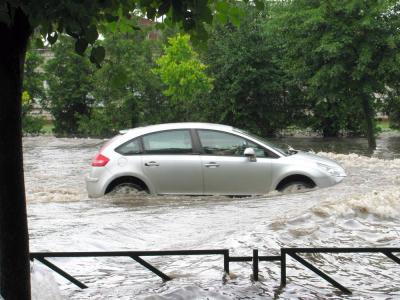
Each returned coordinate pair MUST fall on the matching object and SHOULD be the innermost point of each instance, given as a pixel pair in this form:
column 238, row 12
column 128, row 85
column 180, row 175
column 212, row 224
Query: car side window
column 221, row 143
column 168, row 142
column 129, row 148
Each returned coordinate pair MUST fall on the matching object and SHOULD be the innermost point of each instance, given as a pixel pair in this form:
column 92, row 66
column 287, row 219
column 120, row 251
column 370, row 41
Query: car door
column 225, row 168
column 170, row 163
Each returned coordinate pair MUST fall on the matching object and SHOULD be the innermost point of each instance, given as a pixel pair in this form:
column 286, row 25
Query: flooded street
column 362, row 211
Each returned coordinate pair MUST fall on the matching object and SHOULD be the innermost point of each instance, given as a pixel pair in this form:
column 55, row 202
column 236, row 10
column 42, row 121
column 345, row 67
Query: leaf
column 221, row 18
column 72, row 30
column 97, row 55
column 236, row 15
column 91, row 34
column 52, row 38
column 80, row 46
column 222, row 7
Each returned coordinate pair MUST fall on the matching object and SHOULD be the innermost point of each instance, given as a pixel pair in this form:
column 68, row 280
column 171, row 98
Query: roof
column 168, row 126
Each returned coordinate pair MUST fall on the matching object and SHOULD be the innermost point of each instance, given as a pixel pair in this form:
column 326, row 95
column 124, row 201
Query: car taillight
column 100, row 160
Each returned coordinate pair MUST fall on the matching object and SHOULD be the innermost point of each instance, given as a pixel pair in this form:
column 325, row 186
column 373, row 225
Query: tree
column 33, row 76
column 70, row 83
column 184, row 75
column 251, row 90
column 343, row 52
column 33, row 92
column 130, row 93
column 18, row 19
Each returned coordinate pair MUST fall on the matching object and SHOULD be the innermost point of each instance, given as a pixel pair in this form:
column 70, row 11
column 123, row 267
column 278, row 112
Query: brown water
column 363, row 211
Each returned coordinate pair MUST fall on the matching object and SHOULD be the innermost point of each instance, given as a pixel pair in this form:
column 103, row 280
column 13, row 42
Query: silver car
column 204, row 159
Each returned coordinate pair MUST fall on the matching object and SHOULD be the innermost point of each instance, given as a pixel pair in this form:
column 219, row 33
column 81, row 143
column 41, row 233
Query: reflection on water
column 364, row 210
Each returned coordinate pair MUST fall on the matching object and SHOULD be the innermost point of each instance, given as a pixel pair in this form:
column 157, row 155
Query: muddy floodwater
column 362, row 211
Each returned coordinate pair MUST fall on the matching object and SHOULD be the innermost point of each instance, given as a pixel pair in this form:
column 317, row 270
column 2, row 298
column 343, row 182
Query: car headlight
column 331, row 170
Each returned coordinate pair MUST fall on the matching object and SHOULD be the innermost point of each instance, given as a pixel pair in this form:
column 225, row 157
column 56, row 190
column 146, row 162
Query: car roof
column 169, row 126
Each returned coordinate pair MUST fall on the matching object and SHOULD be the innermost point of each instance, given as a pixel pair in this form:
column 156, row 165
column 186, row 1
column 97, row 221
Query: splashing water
column 43, row 284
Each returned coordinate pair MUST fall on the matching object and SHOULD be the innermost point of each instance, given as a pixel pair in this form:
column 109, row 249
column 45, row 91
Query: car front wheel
column 295, row 187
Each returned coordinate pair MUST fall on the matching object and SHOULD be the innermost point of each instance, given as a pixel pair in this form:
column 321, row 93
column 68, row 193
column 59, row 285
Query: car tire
column 127, row 188
column 295, row 187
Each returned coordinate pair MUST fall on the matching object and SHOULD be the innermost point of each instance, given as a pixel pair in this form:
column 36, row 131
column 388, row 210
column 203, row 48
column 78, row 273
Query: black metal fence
column 227, row 259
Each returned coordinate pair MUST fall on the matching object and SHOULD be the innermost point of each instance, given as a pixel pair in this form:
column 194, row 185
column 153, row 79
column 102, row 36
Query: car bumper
column 329, row 181
column 93, row 187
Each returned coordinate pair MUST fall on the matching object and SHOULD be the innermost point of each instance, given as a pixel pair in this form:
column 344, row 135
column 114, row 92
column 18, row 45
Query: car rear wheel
column 295, row 187
column 127, row 188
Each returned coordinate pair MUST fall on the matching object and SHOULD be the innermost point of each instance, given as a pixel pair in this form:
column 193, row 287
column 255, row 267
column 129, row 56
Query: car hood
column 310, row 157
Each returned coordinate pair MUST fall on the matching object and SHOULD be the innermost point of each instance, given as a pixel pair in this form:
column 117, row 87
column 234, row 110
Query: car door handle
column 211, row 165
column 151, row 164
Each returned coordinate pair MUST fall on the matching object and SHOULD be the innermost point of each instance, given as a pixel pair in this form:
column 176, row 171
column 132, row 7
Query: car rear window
column 130, row 148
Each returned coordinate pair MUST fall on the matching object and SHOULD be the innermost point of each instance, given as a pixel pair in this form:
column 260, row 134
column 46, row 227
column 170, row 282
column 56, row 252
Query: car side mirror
column 250, row 154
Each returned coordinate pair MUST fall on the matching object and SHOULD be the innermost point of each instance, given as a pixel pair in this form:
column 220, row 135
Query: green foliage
column 304, row 63
column 30, row 124
column 183, row 73
column 101, row 123
column 82, row 20
column 33, row 91
column 70, row 84
column 33, row 125
column 344, row 52
column 130, row 91
column 26, row 104
column 250, row 88
column 33, row 76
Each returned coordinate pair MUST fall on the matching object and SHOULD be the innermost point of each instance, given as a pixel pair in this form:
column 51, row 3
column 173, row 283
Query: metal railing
column 227, row 259
column 293, row 252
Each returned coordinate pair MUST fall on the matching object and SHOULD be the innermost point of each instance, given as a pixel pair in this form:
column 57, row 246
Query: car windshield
column 288, row 151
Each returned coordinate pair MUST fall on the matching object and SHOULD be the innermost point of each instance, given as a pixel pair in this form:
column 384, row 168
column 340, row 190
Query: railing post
column 283, row 267
column 255, row 264
column 226, row 261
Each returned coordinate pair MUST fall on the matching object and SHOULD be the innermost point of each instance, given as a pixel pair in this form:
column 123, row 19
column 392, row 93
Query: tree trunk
column 369, row 120
column 14, row 242
column 330, row 127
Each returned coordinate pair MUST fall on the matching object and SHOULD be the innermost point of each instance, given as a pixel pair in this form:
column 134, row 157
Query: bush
column 33, row 125
column 97, row 124
column 104, row 122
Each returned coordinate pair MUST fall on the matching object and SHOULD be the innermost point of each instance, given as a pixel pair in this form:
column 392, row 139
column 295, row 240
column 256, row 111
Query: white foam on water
column 43, row 284
column 382, row 204
column 188, row 292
